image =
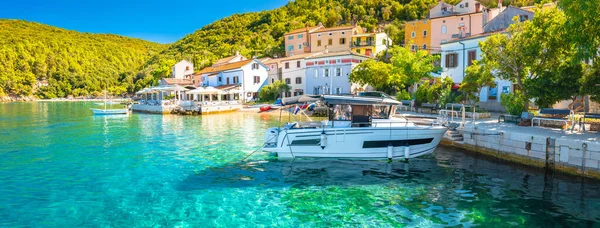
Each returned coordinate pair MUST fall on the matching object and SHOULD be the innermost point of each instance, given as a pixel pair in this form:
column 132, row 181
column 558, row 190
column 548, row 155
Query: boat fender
column 390, row 152
column 323, row 140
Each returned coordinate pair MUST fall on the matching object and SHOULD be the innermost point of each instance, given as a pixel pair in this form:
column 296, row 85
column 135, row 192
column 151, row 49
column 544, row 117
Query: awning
column 300, row 99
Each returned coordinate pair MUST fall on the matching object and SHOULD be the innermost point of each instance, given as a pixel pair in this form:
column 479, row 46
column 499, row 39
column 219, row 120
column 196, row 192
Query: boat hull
column 358, row 143
column 110, row 111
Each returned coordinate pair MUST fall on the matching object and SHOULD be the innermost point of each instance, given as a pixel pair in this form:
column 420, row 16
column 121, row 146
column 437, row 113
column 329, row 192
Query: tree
column 533, row 51
column 583, row 26
column 373, row 73
column 477, row 77
column 410, row 67
column 274, row 90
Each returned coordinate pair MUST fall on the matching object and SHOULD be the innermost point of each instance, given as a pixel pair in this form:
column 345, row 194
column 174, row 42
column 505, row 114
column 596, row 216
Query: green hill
column 72, row 63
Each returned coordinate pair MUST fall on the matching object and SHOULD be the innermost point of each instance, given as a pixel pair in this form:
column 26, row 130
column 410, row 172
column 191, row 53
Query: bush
column 403, row 95
column 514, row 103
column 421, row 93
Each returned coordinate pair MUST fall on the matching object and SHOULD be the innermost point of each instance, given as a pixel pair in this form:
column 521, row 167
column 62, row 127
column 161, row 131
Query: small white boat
column 105, row 111
column 358, row 127
column 110, row 111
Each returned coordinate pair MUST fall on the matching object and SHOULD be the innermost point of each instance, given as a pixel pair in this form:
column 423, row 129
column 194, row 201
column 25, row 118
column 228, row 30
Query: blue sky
column 154, row 20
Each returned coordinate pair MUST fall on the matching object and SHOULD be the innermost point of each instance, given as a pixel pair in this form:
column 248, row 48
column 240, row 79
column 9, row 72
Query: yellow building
column 370, row 44
column 418, row 34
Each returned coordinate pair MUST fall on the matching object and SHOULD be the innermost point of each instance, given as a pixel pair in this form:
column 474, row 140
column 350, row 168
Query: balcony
column 362, row 44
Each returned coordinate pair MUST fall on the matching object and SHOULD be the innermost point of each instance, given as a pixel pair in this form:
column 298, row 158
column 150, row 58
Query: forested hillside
column 72, row 63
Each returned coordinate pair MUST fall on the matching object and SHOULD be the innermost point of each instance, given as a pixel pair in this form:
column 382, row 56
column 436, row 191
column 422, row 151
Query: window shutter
column 455, row 60
column 446, row 61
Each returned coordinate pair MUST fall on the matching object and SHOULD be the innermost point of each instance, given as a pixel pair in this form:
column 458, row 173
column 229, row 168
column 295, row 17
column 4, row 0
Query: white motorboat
column 358, row 127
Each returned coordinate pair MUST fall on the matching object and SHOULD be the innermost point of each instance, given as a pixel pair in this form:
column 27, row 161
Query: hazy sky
column 154, row 20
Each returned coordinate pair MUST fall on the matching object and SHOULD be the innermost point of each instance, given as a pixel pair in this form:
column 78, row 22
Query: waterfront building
column 293, row 71
column 274, row 70
column 182, row 70
column 458, row 54
column 328, row 73
column 370, row 44
column 298, row 41
column 333, row 39
column 248, row 75
column 230, row 59
column 446, row 22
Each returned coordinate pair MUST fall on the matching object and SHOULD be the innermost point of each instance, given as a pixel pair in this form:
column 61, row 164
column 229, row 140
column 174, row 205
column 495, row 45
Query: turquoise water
column 62, row 167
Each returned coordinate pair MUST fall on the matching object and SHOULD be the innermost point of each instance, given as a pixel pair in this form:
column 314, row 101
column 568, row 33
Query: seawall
column 554, row 149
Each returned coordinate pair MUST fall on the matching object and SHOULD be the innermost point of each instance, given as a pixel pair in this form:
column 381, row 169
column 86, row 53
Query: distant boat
column 106, row 111
column 108, row 102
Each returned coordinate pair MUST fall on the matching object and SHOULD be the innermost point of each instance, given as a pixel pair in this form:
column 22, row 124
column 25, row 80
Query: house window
column 298, row 93
column 338, row 72
column 319, row 35
column 227, row 81
column 493, row 94
column 288, row 94
column 299, row 36
column 462, row 6
column 298, row 80
column 338, row 90
column 316, row 73
column 424, row 33
column 220, row 79
column 343, row 33
column 236, row 80
column 330, row 34
column 338, row 61
column 287, row 65
column 298, row 64
column 291, row 48
column 451, row 60
column 523, row 18
column 413, row 34
column 318, row 43
column 187, row 67
column 299, row 46
column 413, row 47
column 330, row 42
column 255, row 66
column 326, row 73
column 326, row 61
column 288, row 81
column 272, row 80
column 466, row 4
column 444, row 29
column 316, row 90
column 342, row 41
column 256, row 79
column 472, row 57
column 358, row 51
column 290, row 37
column 424, row 46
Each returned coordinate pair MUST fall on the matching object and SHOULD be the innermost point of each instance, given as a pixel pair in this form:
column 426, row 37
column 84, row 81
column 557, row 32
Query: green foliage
column 373, row 73
column 514, row 103
column 72, row 63
column 590, row 82
column 422, row 92
column 273, row 91
column 410, row 67
column 477, row 76
column 583, row 26
column 534, row 51
column 403, row 95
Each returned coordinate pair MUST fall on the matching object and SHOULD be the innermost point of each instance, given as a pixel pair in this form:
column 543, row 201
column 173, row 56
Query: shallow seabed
column 62, row 167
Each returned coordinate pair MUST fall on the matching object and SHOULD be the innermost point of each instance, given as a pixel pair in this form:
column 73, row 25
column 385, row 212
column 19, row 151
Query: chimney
column 320, row 24
column 326, row 49
column 500, row 5
column 237, row 53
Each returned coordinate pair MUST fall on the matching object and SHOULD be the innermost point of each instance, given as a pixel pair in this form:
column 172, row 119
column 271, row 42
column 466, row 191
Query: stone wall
column 158, row 109
column 569, row 155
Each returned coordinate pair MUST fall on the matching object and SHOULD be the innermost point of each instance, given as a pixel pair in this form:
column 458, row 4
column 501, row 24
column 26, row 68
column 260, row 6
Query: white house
column 293, row 71
column 183, row 70
column 246, row 76
column 328, row 73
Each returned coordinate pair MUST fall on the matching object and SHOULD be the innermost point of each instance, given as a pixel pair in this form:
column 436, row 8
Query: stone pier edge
column 524, row 160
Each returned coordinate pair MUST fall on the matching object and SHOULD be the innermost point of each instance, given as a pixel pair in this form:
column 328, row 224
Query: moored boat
column 358, row 127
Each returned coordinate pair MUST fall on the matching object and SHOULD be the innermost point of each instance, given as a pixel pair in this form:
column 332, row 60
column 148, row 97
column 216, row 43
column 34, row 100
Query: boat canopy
column 340, row 99
column 300, row 99
column 358, row 100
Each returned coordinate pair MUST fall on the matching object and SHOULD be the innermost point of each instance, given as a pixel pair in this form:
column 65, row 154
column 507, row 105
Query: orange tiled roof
column 226, row 87
column 229, row 66
column 348, row 27
column 305, row 29
column 225, row 60
column 177, row 81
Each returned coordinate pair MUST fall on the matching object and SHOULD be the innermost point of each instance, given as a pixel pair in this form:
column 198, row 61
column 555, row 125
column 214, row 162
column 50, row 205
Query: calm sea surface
column 62, row 167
